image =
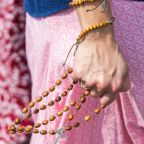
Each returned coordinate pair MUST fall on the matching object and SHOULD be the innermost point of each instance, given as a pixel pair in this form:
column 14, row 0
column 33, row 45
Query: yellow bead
column 45, row 122
column 70, row 70
column 31, row 104
column 64, row 93
column 25, row 110
column 64, row 75
column 38, row 99
column 28, row 128
column 52, row 88
column 43, row 132
column 66, row 108
column 73, row 103
column 52, row 118
column 46, row 93
column 35, row 131
column 59, row 113
column 42, row 107
column 97, row 110
column 37, row 125
column 87, row 118
column 17, row 121
column 58, row 82
column 68, row 128
column 70, row 117
column 20, row 129
column 51, row 103
column 77, row 107
column 76, row 124
column 52, row 132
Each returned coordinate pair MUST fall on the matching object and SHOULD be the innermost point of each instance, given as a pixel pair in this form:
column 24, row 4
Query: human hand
column 100, row 64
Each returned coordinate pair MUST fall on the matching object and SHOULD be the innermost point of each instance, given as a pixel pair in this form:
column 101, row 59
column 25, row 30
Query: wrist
column 105, row 33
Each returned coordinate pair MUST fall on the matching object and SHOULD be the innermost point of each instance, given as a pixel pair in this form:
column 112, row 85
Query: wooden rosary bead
column 43, row 132
column 38, row 99
column 64, row 93
column 64, row 75
column 76, row 124
column 37, row 125
column 68, row 128
column 45, row 94
column 36, row 111
column 58, row 99
column 13, row 132
column 70, row 87
column 28, row 129
column 87, row 118
column 45, row 122
column 51, row 103
column 86, row 93
column 28, row 115
column 25, row 110
column 42, row 107
column 20, row 129
column 52, row 118
column 97, row 110
column 75, row 81
column 83, row 100
column 11, row 128
column 17, row 121
column 73, row 103
column 77, row 107
column 60, row 113
column 52, row 132
column 35, row 131
column 58, row 82
column 31, row 104
column 66, row 108
column 70, row 70
column 52, row 88
column 70, row 117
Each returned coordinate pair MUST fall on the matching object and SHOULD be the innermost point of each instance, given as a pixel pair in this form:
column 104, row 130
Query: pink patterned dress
column 47, row 43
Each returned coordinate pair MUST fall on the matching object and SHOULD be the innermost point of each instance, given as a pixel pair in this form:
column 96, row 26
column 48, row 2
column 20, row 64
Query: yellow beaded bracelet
column 80, row 2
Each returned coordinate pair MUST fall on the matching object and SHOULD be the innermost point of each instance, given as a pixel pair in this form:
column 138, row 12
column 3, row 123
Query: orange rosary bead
column 36, row 111
column 17, row 121
column 25, row 110
column 31, row 104
column 59, row 113
column 52, row 88
column 46, row 93
column 97, row 110
column 64, row 93
column 51, row 103
column 68, row 128
column 76, row 124
column 58, row 82
column 20, row 129
column 37, row 125
column 52, row 118
column 70, row 70
column 66, row 108
column 45, row 122
column 64, row 75
column 43, row 132
column 38, row 99
column 73, row 103
column 35, row 131
column 52, row 132
column 87, row 118
column 42, row 107
column 70, row 117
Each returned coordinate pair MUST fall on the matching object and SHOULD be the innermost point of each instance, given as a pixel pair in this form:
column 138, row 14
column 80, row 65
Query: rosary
column 76, row 104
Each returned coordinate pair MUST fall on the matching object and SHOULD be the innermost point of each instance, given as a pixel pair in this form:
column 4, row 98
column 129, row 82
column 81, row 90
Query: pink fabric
column 48, row 40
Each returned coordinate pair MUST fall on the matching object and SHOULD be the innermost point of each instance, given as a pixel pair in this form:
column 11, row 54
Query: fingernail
column 103, row 106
